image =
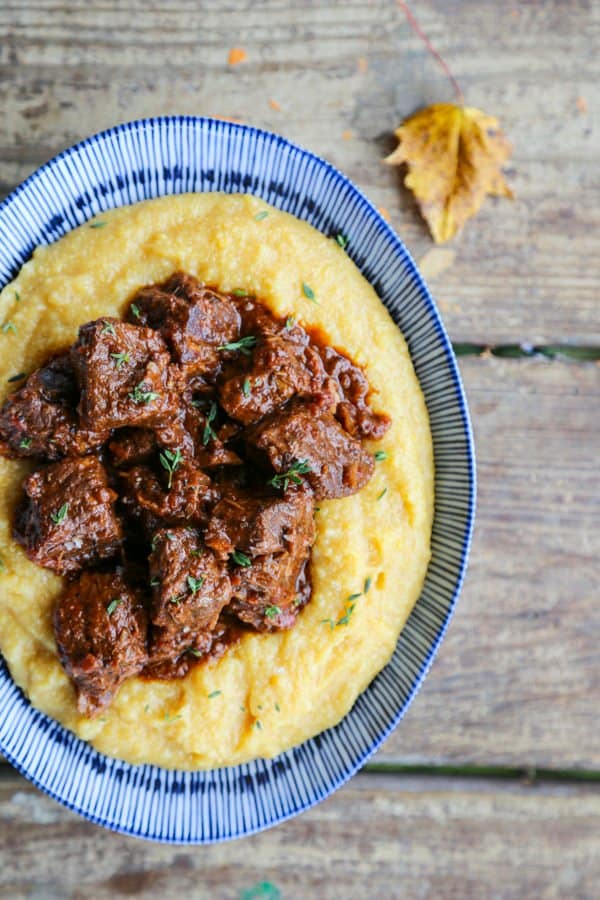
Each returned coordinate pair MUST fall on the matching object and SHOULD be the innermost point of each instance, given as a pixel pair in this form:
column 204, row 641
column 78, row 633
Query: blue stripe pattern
column 150, row 158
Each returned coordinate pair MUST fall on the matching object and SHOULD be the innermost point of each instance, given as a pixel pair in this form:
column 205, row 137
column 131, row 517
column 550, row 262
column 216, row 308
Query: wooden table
column 491, row 785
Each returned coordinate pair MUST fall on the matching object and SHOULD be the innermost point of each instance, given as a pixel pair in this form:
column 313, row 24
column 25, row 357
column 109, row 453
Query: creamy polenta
column 270, row 691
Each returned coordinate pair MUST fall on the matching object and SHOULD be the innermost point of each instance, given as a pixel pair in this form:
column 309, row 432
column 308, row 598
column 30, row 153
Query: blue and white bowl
column 149, row 158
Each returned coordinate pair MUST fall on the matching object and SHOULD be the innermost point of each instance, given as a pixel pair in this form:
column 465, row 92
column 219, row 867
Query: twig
column 420, row 33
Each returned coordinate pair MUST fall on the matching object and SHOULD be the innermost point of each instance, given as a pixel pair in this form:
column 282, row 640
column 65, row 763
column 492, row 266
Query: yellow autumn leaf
column 454, row 156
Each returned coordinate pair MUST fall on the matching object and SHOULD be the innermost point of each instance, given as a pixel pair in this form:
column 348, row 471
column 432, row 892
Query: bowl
column 149, row 158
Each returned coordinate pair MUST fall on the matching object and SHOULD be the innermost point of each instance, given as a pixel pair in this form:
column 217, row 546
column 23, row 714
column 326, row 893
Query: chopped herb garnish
column 108, row 328
column 116, row 601
column 272, row 611
column 195, row 584
column 380, row 455
column 147, row 708
column 18, row 377
column 25, row 443
column 258, row 724
column 154, row 582
column 246, row 387
column 120, row 359
column 2, row 565
column 243, row 708
column 97, row 224
column 60, row 515
column 197, row 653
column 170, row 536
column 17, row 296
column 9, row 326
column 297, row 602
column 317, row 509
column 277, row 707
column 346, row 617
column 240, row 559
column 154, row 542
column 209, row 433
column 213, row 694
column 342, row 240
column 261, row 215
column 368, row 583
column 329, row 622
column 135, row 310
column 354, row 597
column 243, row 345
column 176, row 599
column 140, row 395
column 290, row 322
column 170, row 460
column 382, row 494
column 308, row 292
column 239, row 292
column 300, row 467
column 195, row 552
column 170, row 718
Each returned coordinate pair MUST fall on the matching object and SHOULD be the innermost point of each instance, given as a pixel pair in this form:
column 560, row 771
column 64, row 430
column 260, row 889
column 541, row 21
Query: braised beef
column 304, row 442
column 100, row 630
column 68, row 521
column 189, row 444
column 194, row 320
column 124, row 374
column 40, row 419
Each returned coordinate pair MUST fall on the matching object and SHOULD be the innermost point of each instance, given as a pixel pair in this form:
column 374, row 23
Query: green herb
column 59, row 517
column 195, row 584
column 346, row 617
column 297, row 602
column 261, row 215
column 258, row 724
column 195, row 552
column 170, row 536
column 170, row 718
column 135, row 310
column 209, row 433
column 147, row 708
column 260, row 706
column 329, row 622
column 277, row 707
column 240, row 559
column 176, row 598
column 170, row 460
column 17, row 296
column 243, row 709
column 140, row 395
column 116, row 601
column 154, row 542
column 246, row 387
column 25, row 443
column 317, row 509
column 300, row 467
column 354, row 597
column 239, row 293
column 2, row 565
column 9, row 326
column 368, row 583
column 272, row 611
column 97, row 224
column 214, row 694
column 308, row 292
column 342, row 240
column 154, row 582
column 19, row 377
column 243, row 345
column 380, row 455
column 290, row 322
column 121, row 359
column 197, row 653
column 108, row 328
column 382, row 494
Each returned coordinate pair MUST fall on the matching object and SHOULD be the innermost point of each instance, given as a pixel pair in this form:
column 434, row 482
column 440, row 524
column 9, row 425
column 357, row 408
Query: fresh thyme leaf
column 240, row 559
column 17, row 297
column 246, row 387
column 18, row 377
column 290, row 322
column 346, row 617
column 380, row 455
column 97, row 224
column 2, row 565
column 108, row 328
column 342, row 240
column 9, row 326
column 121, row 359
column 177, row 598
column 329, row 622
column 258, row 724
column 368, row 583
column 170, row 536
column 197, row 653
column 243, row 345
column 25, row 443
column 170, row 460
column 277, row 707
column 308, row 292
column 282, row 479
column 60, row 515
column 272, row 611
column 195, row 584
column 140, row 395
column 382, row 494
column 195, row 552
column 209, row 434
column 213, row 694
column 354, row 597
column 154, row 582
column 116, row 601
column 170, row 718
column 239, row 292
column 261, row 215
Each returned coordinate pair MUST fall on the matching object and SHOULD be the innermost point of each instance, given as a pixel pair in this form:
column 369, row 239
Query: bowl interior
column 150, row 158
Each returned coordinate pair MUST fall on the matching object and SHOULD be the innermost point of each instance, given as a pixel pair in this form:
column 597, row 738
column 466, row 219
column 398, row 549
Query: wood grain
column 378, row 837
column 527, row 270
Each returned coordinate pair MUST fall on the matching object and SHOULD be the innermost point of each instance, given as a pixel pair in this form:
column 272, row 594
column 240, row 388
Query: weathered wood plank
column 517, row 678
column 377, row 837
column 527, row 270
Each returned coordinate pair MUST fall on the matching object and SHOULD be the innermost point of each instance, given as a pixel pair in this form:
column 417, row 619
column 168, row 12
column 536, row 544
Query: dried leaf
column 454, row 156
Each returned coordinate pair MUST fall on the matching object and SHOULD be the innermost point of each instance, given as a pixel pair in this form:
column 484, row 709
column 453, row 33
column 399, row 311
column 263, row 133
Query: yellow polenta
column 268, row 692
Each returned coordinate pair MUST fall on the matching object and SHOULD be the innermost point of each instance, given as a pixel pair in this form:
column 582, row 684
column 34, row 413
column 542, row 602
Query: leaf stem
column 420, row 33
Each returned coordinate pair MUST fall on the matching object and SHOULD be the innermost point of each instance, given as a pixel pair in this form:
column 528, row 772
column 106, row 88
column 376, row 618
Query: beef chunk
column 352, row 409
column 280, row 368
column 132, row 446
column 334, row 463
column 67, row 520
column 193, row 320
column 190, row 588
column 40, row 419
column 185, row 502
column 125, row 376
column 259, row 524
column 100, row 630
column 268, row 541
